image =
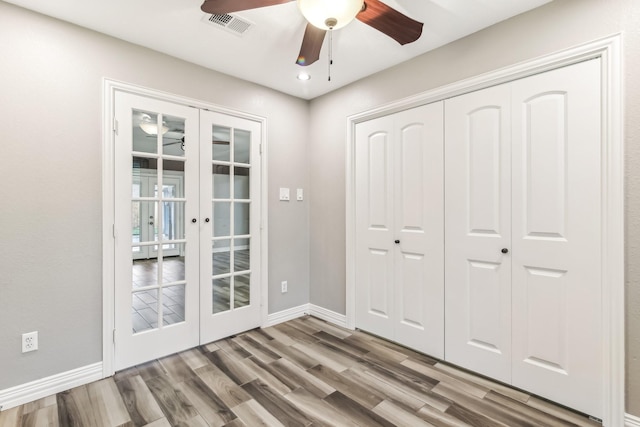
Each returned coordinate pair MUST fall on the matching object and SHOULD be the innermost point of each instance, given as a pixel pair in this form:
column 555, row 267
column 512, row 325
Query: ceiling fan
column 325, row 15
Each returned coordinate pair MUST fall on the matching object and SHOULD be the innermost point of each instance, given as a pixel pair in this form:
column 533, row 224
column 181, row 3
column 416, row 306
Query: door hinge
column 113, row 230
column 260, row 146
column 114, row 336
column 115, row 125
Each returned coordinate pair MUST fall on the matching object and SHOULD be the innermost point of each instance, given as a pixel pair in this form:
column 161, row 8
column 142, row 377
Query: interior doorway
column 187, row 242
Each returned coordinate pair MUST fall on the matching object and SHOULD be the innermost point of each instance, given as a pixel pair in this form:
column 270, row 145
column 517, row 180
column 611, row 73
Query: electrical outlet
column 283, row 285
column 29, row 341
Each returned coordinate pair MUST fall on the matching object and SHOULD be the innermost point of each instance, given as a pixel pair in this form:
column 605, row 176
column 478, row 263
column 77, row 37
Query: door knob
column 397, row 242
column 194, row 220
column 207, row 220
column 505, row 251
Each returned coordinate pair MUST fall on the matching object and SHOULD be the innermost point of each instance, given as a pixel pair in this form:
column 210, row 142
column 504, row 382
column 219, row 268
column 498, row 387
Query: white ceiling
column 266, row 53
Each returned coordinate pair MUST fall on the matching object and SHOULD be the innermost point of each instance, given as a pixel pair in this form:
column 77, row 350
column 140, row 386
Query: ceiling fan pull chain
column 330, row 51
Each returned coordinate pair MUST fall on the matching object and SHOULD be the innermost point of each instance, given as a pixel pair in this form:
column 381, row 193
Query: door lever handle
column 397, row 242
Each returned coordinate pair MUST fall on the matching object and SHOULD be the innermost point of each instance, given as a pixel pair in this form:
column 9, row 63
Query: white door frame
column 609, row 51
column 108, row 202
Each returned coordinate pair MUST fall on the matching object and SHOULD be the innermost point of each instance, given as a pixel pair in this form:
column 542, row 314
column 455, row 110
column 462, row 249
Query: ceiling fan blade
column 311, row 45
column 385, row 19
column 220, row 7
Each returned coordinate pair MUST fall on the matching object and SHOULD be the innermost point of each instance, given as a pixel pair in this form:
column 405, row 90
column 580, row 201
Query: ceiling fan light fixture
column 150, row 127
column 304, row 76
column 330, row 14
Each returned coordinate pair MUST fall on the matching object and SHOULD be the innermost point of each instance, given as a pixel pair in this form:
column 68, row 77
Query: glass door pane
column 158, row 221
column 231, row 216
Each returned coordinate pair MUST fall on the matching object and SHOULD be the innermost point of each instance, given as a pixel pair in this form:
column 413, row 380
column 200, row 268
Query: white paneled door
column 478, row 231
column 187, row 227
column 399, row 228
column 556, row 237
column 523, row 234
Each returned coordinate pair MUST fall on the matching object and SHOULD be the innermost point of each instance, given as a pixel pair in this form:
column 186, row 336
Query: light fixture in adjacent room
column 330, row 14
column 304, row 76
column 150, row 127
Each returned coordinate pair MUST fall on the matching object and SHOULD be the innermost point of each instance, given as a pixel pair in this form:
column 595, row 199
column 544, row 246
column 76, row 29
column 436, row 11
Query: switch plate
column 284, row 194
column 283, row 287
column 299, row 194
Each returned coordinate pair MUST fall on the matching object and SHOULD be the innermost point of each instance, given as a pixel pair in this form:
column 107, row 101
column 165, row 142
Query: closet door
column 419, row 226
column 478, row 232
column 556, row 261
column 399, row 230
column 375, row 233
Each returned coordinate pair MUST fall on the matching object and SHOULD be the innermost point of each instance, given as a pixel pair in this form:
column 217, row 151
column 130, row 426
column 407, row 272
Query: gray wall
column 556, row 26
column 50, row 174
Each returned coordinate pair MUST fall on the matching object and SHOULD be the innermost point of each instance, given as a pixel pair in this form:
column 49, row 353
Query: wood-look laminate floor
column 304, row 372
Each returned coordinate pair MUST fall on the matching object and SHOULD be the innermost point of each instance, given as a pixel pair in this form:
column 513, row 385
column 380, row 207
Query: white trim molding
column 286, row 315
column 34, row 390
column 303, row 310
column 631, row 421
column 328, row 315
column 608, row 50
column 108, row 196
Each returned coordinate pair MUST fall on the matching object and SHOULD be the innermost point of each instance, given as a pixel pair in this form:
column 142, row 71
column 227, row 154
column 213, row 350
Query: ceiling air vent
column 231, row 23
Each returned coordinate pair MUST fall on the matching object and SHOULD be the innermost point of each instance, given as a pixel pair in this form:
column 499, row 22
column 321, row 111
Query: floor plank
column 360, row 393
column 398, row 416
column 254, row 414
column 140, row 403
column 275, row 404
column 354, row 411
column 206, row 402
column 228, row 391
column 44, row 417
column 317, row 409
column 173, row 403
column 108, row 403
column 494, row 411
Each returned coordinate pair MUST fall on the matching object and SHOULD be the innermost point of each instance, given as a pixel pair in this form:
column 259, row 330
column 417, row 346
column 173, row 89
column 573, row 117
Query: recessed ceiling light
column 303, row 76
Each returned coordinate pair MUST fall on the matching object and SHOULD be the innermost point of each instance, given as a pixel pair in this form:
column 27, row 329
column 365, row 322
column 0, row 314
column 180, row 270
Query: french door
column 187, row 227
column 230, row 194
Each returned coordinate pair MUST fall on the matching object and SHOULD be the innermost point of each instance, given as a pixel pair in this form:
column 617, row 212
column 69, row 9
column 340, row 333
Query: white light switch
column 284, row 194
column 299, row 194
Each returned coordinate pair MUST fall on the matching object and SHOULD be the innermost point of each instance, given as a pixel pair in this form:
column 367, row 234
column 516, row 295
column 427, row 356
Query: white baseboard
column 631, row 421
column 328, row 315
column 48, row 386
column 304, row 309
column 288, row 314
